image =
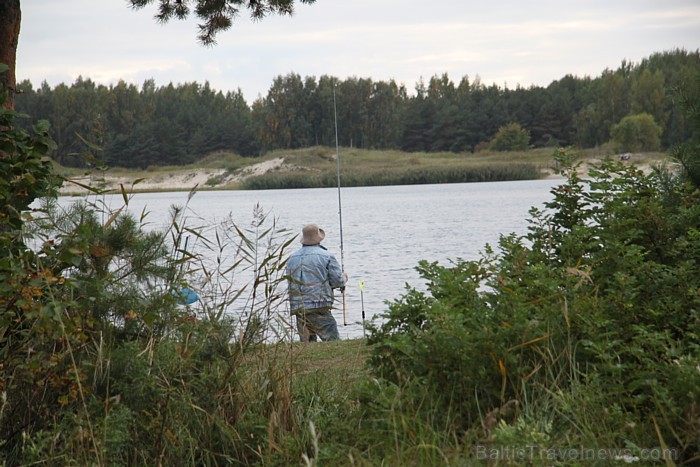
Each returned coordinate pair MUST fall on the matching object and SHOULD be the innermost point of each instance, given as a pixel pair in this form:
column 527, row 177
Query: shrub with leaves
column 121, row 276
column 37, row 333
column 688, row 154
column 595, row 313
column 511, row 137
column 636, row 133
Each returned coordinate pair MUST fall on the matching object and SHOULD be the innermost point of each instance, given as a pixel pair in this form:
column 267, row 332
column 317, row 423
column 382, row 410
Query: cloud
column 503, row 41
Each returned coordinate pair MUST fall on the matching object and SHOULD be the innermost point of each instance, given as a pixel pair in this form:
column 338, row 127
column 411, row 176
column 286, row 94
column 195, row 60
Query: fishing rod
column 340, row 205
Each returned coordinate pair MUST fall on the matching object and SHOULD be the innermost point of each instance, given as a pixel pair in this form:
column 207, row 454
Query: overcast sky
column 507, row 42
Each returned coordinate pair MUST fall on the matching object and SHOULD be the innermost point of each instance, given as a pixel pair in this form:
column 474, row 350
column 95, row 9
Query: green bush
column 687, row 154
column 511, row 137
column 37, row 333
column 595, row 311
column 636, row 133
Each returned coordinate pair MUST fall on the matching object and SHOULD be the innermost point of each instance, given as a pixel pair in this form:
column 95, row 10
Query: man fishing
column 313, row 273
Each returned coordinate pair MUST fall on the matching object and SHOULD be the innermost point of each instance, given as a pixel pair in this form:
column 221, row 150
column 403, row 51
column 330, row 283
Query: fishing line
column 340, row 205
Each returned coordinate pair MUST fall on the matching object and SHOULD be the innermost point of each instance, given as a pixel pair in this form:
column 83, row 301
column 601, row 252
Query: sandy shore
column 183, row 180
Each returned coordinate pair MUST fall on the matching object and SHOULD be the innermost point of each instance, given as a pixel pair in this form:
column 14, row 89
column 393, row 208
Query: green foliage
column 37, row 334
column 596, row 310
column 27, row 173
column 688, row 153
column 636, row 133
column 118, row 271
column 649, row 96
column 511, row 137
column 217, row 16
column 167, row 125
column 487, row 172
column 100, row 365
column 140, row 127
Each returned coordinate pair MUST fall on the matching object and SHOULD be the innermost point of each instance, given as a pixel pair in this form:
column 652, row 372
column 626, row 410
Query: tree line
column 179, row 124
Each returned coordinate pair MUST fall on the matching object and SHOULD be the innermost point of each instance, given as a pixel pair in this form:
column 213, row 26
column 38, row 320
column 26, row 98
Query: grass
column 346, row 359
column 303, row 395
column 343, row 361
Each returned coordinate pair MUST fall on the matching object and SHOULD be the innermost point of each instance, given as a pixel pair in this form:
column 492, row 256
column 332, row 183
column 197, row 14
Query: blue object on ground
column 187, row 296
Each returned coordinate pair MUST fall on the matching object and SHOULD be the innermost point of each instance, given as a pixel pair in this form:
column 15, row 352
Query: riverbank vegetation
column 577, row 343
column 317, row 167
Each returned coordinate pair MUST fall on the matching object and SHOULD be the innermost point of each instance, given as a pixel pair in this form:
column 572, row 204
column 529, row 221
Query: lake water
column 386, row 230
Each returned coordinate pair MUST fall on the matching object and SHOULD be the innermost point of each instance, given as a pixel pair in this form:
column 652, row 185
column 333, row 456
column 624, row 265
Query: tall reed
column 488, row 172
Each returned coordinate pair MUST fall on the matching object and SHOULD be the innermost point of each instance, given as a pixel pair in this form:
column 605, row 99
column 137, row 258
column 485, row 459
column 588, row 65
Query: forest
column 177, row 124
